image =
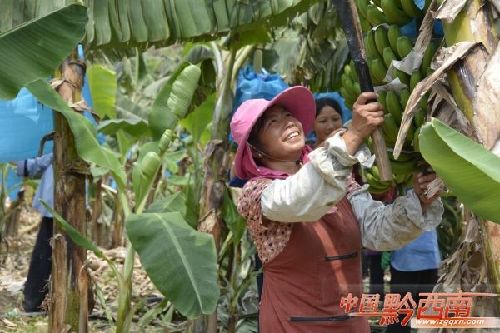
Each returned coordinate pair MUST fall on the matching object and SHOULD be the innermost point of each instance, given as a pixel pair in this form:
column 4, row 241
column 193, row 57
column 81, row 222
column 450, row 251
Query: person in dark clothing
column 40, row 267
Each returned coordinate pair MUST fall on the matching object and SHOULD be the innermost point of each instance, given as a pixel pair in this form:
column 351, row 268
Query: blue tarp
column 257, row 85
column 13, row 183
column 23, row 123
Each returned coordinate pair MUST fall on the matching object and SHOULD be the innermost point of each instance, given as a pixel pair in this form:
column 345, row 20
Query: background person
column 328, row 119
column 35, row 288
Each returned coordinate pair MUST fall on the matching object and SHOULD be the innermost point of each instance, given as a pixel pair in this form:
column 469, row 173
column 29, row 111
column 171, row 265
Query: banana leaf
column 102, row 82
column 180, row 261
column 74, row 234
column 197, row 121
column 470, row 171
column 128, row 23
column 133, row 126
column 84, row 132
column 36, row 48
column 174, row 99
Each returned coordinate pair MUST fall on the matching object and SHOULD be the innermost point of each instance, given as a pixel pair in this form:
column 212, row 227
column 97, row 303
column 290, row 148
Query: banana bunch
column 399, row 12
column 384, row 44
column 350, row 88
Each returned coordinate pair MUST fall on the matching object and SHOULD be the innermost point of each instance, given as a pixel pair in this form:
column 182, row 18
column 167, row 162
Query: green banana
column 390, row 129
column 346, row 80
column 419, row 117
column 377, row 71
column 388, row 56
column 403, row 77
column 403, row 167
column 415, row 78
column 394, row 106
column 404, row 95
column 381, row 98
column 362, row 7
column 348, row 99
column 352, row 72
column 410, row 134
column 381, row 41
column 374, row 182
column 393, row 12
column 415, row 141
column 365, row 25
column 411, row 9
column 374, row 15
column 356, row 90
column 402, row 178
column 428, row 55
column 370, row 46
column 404, row 46
column 393, row 34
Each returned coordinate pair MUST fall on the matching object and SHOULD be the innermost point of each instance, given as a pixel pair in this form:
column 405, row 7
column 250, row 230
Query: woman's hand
column 420, row 184
column 367, row 115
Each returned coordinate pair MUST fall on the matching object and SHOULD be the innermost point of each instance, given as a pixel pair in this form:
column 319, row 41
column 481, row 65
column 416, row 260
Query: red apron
column 303, row 285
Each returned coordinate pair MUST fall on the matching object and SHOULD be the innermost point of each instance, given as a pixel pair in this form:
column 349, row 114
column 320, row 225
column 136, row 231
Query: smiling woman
column 308, row 217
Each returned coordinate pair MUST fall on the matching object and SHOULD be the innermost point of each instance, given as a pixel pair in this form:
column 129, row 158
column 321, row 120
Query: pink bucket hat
column 297, row 100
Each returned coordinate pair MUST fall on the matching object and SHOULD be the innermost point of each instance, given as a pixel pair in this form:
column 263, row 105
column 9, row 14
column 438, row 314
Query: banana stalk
column 473, row 24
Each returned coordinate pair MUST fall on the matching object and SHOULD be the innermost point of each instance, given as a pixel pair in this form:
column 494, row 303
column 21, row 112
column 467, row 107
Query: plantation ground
column 14, row 262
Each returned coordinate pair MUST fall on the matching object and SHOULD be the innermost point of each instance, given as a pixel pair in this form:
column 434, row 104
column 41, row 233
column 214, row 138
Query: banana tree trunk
column 69, row 296
column 473, row 23
column 217, row 165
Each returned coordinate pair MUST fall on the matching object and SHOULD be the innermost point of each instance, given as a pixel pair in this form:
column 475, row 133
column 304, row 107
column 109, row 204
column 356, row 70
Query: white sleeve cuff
column 336, row 146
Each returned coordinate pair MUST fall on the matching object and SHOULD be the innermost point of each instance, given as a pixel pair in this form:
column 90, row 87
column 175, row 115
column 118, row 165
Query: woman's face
column 281, row 135
column 326, row 122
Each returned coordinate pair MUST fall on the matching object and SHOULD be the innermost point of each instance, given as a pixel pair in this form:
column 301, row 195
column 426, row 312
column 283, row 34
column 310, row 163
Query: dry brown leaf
column 453, row 54
column 393, row 85
column 486, row 117
column 8, row 323
column 414, row 59
column 449, row 9
column 445, row 108
column 434, row 187
column 496, row 3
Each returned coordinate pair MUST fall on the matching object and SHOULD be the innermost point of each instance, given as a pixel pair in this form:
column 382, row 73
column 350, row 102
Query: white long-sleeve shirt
column 318, row 185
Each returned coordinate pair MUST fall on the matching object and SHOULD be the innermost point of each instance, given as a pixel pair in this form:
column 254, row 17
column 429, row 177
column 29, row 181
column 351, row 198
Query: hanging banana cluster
column 381, row 21
column 376, row 12
column 322, row 52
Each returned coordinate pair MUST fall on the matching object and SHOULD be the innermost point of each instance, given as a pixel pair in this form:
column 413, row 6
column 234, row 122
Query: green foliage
column 175, row 202
column 174, row 99
column 197, row 121
column 85, row 133
column 450, row 228
column 133, row 126
column 470, row 171
column 180, row 261
column 130, row 23
column 312, row 49
column 235, row 223
column 102, row 83
column 74, row 234
column 34, row 50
